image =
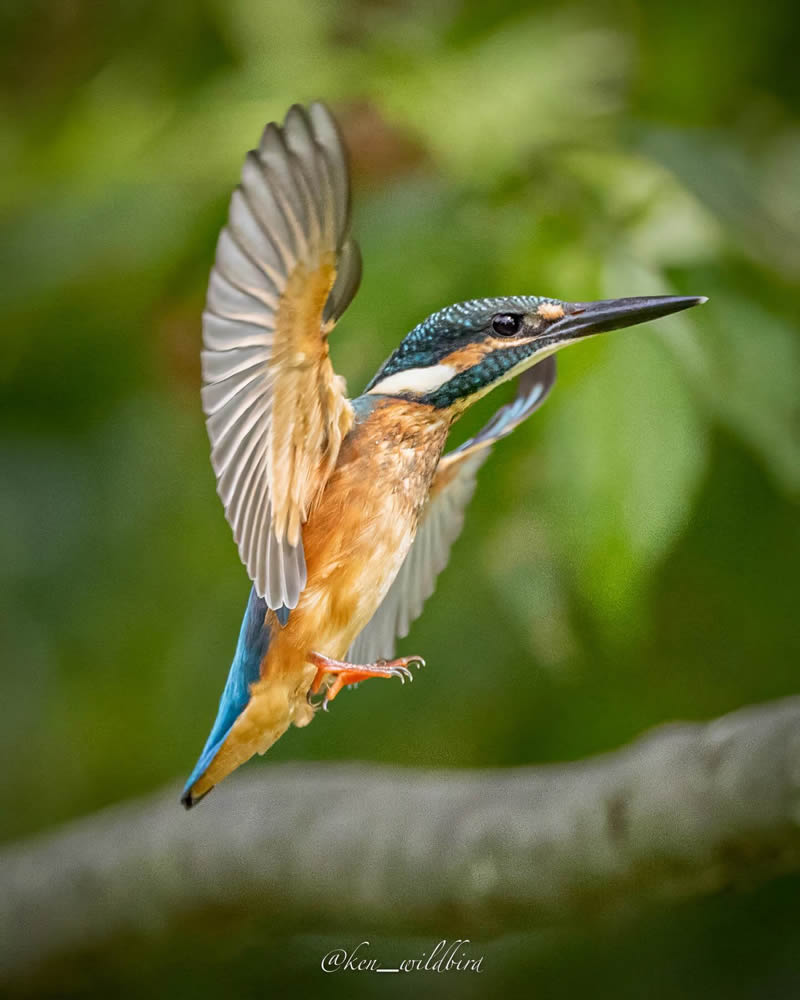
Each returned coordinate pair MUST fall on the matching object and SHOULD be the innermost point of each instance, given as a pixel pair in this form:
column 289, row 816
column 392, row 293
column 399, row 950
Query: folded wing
column 286, row 268
column 443, row 518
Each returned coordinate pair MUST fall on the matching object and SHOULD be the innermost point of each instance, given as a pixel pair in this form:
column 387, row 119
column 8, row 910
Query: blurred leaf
column 71, row 239
column 626, row 449
column 748, row 194
column 528, row 85
column 746, row 363
column 528, row 577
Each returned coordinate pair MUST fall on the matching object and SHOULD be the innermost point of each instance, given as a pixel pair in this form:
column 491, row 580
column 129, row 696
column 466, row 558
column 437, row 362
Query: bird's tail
column 254, row 639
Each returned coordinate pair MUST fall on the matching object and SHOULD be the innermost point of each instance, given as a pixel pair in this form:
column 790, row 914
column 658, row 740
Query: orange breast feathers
column 360, row 530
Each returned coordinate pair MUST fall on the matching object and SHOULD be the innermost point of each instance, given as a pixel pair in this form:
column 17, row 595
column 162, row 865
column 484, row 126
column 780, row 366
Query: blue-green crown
column 455, row 326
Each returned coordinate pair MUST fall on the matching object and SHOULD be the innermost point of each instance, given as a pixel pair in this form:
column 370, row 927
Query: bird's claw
column 387, row 668
column 316, row 705
column 401, row 669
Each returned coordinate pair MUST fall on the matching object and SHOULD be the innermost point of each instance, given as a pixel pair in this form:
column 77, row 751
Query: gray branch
column 684, row 811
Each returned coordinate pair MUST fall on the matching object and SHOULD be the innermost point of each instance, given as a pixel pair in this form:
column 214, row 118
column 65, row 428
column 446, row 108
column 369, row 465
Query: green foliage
column 625, row 451
column 629, row 553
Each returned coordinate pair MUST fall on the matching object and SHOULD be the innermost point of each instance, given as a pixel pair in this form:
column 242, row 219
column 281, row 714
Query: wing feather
column 285, row 270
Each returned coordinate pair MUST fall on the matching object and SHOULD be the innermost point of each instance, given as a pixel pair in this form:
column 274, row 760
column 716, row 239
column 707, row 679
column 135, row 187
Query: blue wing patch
column 254, row 638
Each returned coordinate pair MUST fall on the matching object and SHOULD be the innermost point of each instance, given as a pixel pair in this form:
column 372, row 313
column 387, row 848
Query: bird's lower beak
column 582, row 319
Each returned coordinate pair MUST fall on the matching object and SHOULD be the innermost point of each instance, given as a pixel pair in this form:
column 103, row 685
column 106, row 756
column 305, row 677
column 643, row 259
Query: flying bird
column 343, row 510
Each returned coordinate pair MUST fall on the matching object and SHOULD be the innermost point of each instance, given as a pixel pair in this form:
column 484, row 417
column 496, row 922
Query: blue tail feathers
column 254, row 638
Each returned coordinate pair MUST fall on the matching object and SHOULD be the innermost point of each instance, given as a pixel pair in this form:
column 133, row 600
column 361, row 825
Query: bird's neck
column 395, row 444
column 405, row 421
column 410, row 435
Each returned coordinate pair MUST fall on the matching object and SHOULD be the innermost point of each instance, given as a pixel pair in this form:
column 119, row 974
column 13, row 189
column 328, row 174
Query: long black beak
column 581, row 319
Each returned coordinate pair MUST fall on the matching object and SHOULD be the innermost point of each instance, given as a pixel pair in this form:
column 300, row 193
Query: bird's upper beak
column 582, row 319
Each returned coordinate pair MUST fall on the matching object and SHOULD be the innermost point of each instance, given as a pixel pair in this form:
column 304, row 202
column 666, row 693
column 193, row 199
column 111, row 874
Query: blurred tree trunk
column 684, row 811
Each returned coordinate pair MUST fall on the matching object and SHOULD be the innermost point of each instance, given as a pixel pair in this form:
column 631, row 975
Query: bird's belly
column 353, row 553
column 353, row 569
column 360, row 531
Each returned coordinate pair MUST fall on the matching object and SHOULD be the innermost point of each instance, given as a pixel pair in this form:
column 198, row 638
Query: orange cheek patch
column 468, row 356
column 550, row 310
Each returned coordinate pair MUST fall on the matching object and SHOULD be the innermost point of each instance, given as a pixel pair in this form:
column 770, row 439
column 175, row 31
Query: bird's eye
column 506, row 324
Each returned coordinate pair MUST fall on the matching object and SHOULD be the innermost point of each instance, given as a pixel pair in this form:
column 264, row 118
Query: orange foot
column 352, row 673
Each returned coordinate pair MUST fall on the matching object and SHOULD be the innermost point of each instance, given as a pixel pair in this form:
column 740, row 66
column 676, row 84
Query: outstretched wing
column 285, row 270
column 442, row 519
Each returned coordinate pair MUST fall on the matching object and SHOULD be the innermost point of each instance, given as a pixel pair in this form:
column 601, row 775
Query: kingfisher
column 344, row 510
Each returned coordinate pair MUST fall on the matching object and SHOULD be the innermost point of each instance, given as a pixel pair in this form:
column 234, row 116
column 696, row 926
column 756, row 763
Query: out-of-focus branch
column 683, row 811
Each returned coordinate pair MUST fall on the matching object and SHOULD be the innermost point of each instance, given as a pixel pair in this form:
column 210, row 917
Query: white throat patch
column 417, row 380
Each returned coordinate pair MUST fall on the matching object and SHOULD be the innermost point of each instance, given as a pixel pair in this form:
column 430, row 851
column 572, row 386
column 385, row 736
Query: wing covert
column 286, row 268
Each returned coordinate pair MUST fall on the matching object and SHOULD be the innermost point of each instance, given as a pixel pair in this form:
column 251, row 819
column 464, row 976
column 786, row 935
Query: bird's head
column 462, row 352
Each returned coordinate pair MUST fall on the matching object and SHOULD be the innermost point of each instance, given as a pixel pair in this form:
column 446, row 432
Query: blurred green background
column 631, row 554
